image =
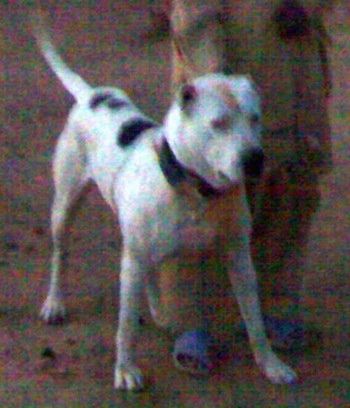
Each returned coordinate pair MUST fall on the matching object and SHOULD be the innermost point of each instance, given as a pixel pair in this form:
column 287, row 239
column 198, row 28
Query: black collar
column 175, row 173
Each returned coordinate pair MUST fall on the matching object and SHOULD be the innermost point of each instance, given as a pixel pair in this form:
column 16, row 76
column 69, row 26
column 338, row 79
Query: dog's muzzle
column 253, row 163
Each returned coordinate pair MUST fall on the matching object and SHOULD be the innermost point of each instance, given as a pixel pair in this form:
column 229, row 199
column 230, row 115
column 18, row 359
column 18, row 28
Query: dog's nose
column 253, row 163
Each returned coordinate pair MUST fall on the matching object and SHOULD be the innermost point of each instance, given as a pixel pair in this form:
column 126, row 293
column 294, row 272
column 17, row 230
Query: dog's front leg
column 132, row 277
column 244, row 282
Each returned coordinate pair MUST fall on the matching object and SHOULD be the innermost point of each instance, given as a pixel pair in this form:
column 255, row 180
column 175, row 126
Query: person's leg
column 288, row 201
column 281, row 228
column 284, row 205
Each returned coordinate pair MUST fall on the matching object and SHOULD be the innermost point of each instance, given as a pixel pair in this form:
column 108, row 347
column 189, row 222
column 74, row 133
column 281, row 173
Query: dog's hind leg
column 70, row 177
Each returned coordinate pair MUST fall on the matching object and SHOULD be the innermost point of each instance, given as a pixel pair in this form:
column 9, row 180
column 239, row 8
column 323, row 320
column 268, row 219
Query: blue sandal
column 197, row 353
column 286, row 335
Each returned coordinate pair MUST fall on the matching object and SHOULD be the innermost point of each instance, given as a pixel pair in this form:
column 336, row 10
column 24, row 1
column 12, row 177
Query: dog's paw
column 278, row 372
column 128, row 378
column 53, row 311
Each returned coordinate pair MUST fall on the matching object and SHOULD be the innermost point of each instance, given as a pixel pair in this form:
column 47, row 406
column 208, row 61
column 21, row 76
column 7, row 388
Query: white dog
column 167, row 185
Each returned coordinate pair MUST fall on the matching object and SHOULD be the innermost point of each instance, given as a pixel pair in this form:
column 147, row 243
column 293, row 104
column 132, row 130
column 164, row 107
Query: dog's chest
column 192, row 224
column 210, row 219
column 159, row 220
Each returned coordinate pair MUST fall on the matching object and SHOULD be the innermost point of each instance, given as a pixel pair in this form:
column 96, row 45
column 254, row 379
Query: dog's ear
column 188, row 95
column 184, row 69
column 184, row 73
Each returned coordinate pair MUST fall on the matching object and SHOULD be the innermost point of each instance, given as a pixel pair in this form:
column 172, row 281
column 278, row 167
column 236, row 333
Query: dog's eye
column 254, row 119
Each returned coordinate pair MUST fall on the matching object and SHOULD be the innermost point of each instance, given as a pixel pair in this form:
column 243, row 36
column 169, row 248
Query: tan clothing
column 289, row 64
column 245, row 37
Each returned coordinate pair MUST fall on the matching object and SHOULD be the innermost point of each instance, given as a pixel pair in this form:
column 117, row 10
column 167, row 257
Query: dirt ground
column 105, row 42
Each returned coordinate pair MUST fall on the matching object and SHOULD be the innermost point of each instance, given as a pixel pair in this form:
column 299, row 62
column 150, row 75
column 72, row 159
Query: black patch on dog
column 114, row 103
column 106, row 98
column 131, row 130
column 175, row 173
column 99, row 99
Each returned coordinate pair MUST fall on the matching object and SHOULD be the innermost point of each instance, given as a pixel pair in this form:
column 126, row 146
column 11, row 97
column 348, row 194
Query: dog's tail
column 75, row 85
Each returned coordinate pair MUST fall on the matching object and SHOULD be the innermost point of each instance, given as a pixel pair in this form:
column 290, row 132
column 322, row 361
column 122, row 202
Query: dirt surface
column 72, row 365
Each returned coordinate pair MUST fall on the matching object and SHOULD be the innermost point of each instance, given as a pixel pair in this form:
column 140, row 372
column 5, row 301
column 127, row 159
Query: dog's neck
column 175, row 173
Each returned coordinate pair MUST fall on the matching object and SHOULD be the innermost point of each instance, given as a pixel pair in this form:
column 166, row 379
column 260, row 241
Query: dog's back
column 103, row 124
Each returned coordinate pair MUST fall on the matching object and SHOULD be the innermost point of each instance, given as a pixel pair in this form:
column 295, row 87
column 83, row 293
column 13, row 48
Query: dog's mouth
column 218, row 187
column 223, row 178
column 225, row 185
column 225, row 181
column 210, row 187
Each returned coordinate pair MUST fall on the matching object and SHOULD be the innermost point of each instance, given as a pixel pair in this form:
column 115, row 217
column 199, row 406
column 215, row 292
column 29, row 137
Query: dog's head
column 214, row 125
column 214, row 128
